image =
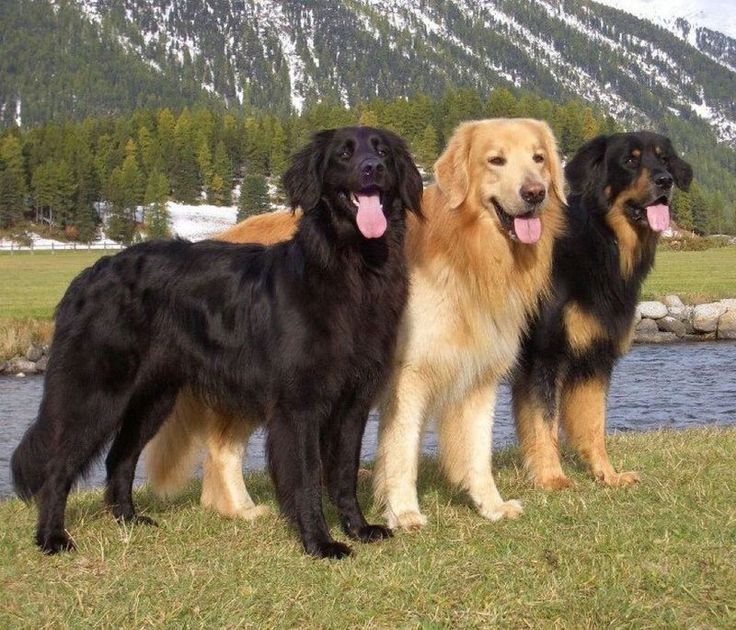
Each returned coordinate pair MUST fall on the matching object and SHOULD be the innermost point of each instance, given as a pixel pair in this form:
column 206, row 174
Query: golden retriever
column 479, row 263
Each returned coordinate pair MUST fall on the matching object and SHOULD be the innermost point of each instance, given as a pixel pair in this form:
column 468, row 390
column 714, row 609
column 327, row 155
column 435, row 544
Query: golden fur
column 473, row 288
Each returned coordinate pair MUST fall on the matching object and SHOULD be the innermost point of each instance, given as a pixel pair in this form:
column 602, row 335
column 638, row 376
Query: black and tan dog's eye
column 632, row 160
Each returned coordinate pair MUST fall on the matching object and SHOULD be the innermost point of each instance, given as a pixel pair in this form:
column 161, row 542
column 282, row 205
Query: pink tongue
column 370, row 219
column 528, row 230
column 658, row 216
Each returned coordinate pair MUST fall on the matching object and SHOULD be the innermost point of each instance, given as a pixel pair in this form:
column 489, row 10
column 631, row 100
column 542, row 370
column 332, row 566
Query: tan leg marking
column 539, row 442
column 584, row 423
column 582, row 328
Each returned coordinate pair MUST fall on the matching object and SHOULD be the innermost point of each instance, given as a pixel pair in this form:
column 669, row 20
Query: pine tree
column 426, row 148
column 368, row 118
column 124, row 192
column 502, row 104
column 223, row 174
column 253, row 196
column 12, row 181
column 682, row 210
column 157, row 215
column 279, row 153
column 185, row 177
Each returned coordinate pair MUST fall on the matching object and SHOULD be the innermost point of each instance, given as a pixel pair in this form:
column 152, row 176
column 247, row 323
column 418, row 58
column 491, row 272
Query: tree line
column 67, row 175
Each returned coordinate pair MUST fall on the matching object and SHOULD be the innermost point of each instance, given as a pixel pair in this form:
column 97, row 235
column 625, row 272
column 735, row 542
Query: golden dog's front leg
column 538, row 438
column 397, row 459
column 223, row 486
column 584, row 423
column 465, row 441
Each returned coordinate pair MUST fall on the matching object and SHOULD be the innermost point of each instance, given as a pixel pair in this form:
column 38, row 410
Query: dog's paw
column 552, row 482
column 409, row 521
column 135, row 519
column 373, row 533
column 55, row 542
column 619, row 480
column 331, row 550
column 253, row 512
column 505, row 509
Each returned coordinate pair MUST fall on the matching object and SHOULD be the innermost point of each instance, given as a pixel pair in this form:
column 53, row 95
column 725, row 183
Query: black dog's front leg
column 341, row 446
column 294, row 460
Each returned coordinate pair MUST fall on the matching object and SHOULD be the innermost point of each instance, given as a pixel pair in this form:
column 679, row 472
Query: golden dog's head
column 507, row 167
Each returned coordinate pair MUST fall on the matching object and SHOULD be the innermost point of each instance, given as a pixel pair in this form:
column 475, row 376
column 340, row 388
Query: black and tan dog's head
column 632, row 174
column 363, row 175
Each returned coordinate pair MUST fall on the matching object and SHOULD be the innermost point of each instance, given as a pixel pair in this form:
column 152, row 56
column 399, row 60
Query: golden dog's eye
column 538, row 158
column 497, row 161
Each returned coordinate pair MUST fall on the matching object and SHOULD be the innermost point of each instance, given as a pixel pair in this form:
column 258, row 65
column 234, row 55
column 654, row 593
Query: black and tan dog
column 620, row 192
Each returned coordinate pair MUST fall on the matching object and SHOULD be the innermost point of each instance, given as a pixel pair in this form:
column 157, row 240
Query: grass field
column 33, row 284
column 660, row 554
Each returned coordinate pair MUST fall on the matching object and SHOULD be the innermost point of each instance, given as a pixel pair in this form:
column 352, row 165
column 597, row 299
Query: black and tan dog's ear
column 585, row 171
column 681, row 172
column 410, row 181
column 451, row 168
column 302, row 181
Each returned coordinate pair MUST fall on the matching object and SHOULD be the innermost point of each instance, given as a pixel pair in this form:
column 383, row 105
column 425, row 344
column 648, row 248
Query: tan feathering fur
column 473, row 288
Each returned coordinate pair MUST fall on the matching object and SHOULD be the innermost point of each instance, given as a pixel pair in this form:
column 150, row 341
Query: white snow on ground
column 199, row 222
column 717, row 15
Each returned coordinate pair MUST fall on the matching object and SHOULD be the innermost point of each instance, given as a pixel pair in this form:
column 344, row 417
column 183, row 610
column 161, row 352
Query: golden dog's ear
column 451, row 168
column 554, row 163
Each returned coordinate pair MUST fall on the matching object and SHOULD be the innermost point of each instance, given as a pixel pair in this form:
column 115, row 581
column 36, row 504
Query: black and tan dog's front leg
column 341, row 442
column 583, row 414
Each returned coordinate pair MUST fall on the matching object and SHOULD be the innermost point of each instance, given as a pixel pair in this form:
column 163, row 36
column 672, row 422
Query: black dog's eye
column 665, row 160
column 345, row 154
column 497, row 161
column 632, row 160
column 538, row 158
column 381, row 152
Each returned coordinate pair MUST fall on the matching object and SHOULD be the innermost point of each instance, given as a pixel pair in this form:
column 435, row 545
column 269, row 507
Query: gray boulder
column 647, row 326
column 706, row 316
column 673, row 301
column 652, row 310
column 42, row 364
column 727, row 325
column 657, row 337
column 730, row 304
column 683, row 313
column 672, row 325
column 34, row 352
column 20, row 364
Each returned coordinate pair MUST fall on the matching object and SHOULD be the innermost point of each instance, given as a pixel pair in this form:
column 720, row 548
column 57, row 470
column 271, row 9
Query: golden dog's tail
column 173, row 453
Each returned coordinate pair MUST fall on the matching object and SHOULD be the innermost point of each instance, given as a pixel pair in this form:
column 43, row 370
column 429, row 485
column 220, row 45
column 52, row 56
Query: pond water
column 668, row 386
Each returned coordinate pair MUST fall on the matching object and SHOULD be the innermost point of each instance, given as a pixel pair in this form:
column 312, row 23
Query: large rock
column 20, row 364
column 646, row 326
column 652, row 310
column 683, row 313
column 706, row 316
column 657, row 337
column 42, row 364
column 34, row 352
column 730, row 304
column 727, row 325
column 673, row 301
column 672, row 325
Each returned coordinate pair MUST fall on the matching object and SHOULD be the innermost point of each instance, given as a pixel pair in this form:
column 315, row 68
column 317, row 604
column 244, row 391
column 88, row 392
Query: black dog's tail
column 28, row 463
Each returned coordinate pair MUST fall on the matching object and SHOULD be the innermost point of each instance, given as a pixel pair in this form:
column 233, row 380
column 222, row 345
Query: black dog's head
column 631, row 172
column 362, row 174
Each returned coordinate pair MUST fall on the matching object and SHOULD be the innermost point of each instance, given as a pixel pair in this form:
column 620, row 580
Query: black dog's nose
column 664, row 181
column 371, row 166
column 533, row 193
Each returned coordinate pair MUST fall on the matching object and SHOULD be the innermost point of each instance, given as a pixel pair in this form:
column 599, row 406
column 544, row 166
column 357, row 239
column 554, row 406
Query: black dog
column 301, row 333
column 620, row 192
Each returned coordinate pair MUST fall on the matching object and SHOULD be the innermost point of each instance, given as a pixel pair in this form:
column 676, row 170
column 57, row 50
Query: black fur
column 301, row 333
column 586, row 263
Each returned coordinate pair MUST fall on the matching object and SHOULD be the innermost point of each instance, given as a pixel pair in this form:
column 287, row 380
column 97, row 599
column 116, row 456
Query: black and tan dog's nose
column 372, row 166
column 533, row 193
column 664, row 181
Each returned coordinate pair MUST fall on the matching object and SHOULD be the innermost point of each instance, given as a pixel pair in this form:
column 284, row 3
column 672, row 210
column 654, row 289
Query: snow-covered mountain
column 282, row 55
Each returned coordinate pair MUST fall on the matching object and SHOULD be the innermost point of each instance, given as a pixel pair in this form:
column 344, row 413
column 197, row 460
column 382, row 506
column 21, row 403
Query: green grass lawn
column 661, row 554
column 32, row 284
column 694, row 276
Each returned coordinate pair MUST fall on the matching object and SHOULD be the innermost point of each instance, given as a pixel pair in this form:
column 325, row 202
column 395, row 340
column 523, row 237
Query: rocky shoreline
column 670, row 321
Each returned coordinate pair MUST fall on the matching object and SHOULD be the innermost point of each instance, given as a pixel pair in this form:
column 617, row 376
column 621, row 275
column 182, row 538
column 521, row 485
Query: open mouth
column 655, row 214
column 368, row 206
column 526, row 228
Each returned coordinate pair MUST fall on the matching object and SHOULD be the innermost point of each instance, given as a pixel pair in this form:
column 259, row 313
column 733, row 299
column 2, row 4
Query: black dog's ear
column 410, row 181
column 302, row 181
column 585, row 171
column 681, row 171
